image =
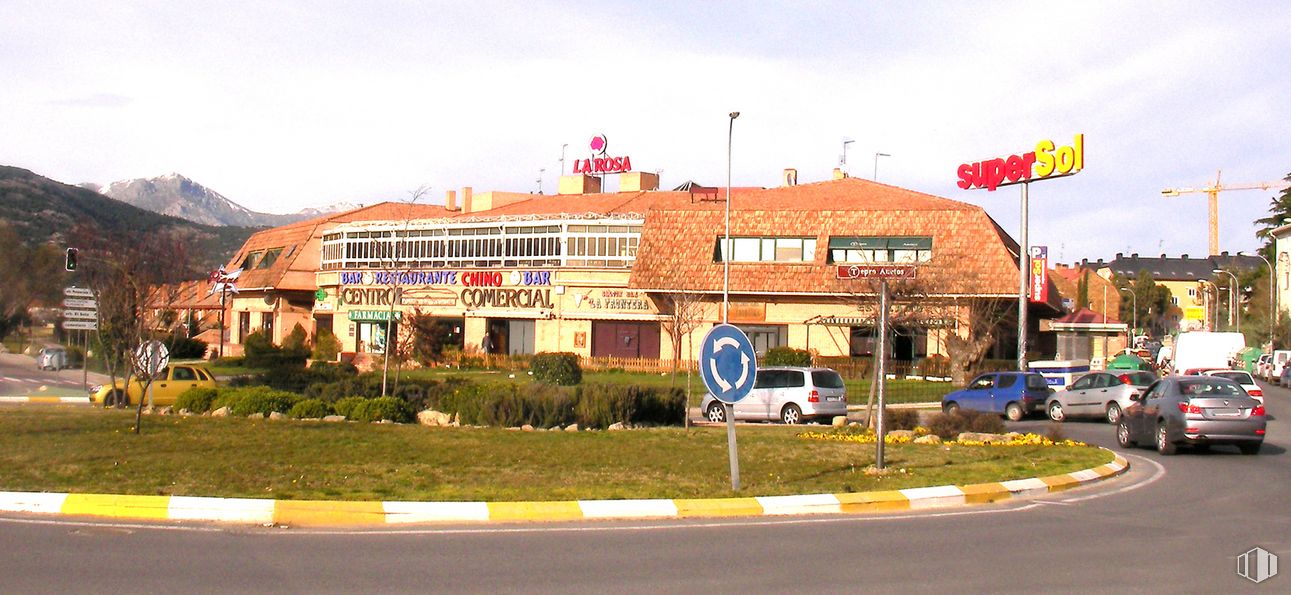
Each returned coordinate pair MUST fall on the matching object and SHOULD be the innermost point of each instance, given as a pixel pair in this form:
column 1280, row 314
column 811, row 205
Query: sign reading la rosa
column 1047, row 160
column 601, row 163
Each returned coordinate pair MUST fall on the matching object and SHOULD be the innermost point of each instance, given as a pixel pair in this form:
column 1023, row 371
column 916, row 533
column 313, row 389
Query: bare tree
column 684, row 309
column 130, row 277
column 394, row 257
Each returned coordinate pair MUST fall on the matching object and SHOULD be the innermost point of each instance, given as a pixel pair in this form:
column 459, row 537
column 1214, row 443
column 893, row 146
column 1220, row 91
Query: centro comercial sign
column 1047, row 161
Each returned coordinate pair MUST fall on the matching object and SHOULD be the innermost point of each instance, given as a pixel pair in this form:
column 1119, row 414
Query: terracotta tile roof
column 301, row 244
column 971, row 254
column 1086, row 316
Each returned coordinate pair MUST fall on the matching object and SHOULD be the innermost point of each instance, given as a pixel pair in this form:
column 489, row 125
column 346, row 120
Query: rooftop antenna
column 563, row 146
column 842, row 159
column 540, row 170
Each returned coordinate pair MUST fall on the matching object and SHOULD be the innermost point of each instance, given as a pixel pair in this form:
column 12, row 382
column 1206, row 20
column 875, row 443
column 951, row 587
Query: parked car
column 170, row 383
column 1014, row 394
column 1098, row 394
column 1264, row 366
column 51, row 357
column 789, row 394
column 1243, row 379
column 1194, row 411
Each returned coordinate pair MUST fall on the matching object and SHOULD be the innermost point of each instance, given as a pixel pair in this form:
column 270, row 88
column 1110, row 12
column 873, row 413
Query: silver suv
column 791, row 395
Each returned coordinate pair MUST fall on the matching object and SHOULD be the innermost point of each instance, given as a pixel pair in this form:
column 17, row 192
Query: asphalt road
column 1171, row 524
column 19, row 377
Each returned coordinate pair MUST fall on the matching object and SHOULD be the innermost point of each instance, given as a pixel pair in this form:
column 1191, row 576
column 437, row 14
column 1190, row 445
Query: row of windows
column 843, row 250
column 767, row 249
column 263, row 259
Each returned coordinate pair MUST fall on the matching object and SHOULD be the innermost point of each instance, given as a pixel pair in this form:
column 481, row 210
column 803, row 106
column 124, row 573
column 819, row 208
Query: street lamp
column 1234, row 318
column 842, row 161
column 726, row 247
column 1273, row 294
column 876, row 164
column 1134, row 315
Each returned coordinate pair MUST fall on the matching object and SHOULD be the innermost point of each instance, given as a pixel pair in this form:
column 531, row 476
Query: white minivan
column 789, row 394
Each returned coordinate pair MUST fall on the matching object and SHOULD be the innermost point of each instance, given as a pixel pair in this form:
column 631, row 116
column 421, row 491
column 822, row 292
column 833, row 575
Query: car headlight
column 94, row 390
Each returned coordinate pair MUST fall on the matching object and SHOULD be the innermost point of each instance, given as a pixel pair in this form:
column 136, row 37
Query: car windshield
column 1036, row 382
column 826, row 379
column 1238, row 377
column 1203, row 388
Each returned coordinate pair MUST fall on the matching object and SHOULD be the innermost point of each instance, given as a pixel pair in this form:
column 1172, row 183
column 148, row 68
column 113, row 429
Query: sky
column 285, row 105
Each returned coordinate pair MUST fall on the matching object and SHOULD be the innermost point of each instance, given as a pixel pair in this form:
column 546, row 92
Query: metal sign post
column 729, row 367
column 883, row 273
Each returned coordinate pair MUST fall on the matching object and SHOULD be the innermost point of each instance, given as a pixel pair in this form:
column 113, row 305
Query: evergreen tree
column 1279, row 215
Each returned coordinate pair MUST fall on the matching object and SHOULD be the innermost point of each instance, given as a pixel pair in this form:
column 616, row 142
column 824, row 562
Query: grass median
column 80, row 450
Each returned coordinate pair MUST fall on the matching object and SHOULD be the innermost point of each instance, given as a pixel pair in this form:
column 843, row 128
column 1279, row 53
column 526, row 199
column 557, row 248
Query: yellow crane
column 1213, row 191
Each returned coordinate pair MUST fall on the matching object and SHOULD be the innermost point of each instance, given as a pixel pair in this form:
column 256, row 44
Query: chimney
column 1119, row 256
column 450, row 201
column 838, row 173
column 466, row 199
column 1135, row 255
column 638, row 181
column 1163, row 256
column 1184, row 257
column 790, row 176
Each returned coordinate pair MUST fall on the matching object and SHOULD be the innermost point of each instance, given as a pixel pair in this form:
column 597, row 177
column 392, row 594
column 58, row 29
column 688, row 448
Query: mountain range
column 42, row 210
column 179, row 196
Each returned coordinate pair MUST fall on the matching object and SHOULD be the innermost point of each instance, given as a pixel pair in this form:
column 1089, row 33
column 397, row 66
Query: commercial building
column 637, row 273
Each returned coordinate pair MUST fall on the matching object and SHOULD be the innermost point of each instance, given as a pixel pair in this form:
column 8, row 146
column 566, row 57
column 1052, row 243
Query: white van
column 1202, row 350
column 1280, row 359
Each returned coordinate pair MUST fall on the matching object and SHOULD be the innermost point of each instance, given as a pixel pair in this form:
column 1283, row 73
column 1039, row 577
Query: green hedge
column 786, row 356
column 391, row 408
column 254, row 399
column 196, row 400
column 556, row 368
column 309, row 409
column 544, row 405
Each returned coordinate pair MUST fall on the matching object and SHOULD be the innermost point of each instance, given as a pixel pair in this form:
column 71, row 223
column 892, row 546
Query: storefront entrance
column 509, row 336
column 625, row 339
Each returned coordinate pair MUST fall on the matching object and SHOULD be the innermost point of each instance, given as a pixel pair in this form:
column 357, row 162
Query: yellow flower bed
column 868, row 437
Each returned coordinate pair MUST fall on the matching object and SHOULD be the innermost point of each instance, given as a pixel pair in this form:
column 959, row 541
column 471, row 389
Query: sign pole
column 727, row 253
column 731, row 448
column 880, row 374
column 1024, row 270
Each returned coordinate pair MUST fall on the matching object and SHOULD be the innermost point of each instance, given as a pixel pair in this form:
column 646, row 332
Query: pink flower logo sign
column 598, row 144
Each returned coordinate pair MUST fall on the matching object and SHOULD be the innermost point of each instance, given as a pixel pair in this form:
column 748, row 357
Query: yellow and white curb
column 319, row 513
column 46, row 400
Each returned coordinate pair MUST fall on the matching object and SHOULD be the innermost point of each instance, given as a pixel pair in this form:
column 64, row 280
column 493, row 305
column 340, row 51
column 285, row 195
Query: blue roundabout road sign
column 728, row 363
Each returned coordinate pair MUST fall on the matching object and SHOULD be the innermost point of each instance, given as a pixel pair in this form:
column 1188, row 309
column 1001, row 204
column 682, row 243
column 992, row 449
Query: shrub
column 326, row 346
column 900, row 419
column 309, row 408
column 556, row 368
column 264, row 402
column 262, row 353
column 196, row 400
column 346, row 406
column 949, row 426
column 380, row 408
column 185, row 348
column 299, row 380
column 786, row 356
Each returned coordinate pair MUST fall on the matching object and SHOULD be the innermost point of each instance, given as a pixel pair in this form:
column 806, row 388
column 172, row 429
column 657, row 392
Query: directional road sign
column 80, row 303
column 80, row 325
column 81, row 292
column 728, row 363
column 81, row 314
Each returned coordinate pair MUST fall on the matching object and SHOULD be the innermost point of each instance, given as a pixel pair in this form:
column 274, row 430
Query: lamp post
column 1234, row 318
column 1134, row 314
column 1273, row 294
column 726, row 240
column 876, row 164
column 842, row 160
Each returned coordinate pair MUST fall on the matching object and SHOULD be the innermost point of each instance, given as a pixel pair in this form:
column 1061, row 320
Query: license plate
column 1224, row 412
column 831, row 398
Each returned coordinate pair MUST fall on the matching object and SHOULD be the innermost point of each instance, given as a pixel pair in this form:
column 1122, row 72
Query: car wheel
column 1164, row 445
column 716, row 412
column 950, row 408
column 791, row 414
column 1123, row 437
column 1055, row 411
column 1113, row 413
column 1014, row 412
column 1250, row 449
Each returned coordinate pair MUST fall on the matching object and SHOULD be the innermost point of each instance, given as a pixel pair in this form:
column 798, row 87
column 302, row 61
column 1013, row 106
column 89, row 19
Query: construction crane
column 1213, row 191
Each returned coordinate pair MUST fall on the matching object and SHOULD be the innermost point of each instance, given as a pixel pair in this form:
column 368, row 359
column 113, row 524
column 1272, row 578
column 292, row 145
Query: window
column 826, row 379
column 1037, row 382
column 768, row 249
column 1007, row 380
column 182, row 373
column 270, row 257
column 982, row 382
column 250, row 261
column 880, row 249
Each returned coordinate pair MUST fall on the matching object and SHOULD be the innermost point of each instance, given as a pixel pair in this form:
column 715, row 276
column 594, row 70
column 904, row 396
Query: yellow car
column 171, row 383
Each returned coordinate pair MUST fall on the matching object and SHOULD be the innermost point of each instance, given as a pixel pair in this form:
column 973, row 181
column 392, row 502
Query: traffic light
column 71, row 259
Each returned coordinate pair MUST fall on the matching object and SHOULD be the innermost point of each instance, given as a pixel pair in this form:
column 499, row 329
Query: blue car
column 1014, row 394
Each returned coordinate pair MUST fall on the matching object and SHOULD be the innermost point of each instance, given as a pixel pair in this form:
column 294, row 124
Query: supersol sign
column 1047, row 160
